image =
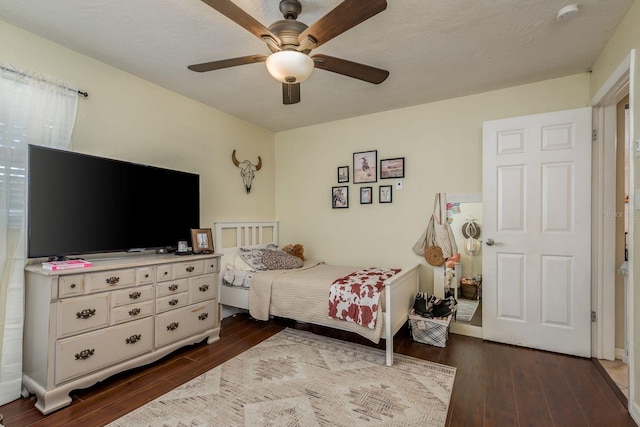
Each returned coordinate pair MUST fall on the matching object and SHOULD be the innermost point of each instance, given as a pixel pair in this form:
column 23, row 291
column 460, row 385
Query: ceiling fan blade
column 350, row 69
column 242, row 18
column 226, row 63
column 290, row 93
column 346, row 15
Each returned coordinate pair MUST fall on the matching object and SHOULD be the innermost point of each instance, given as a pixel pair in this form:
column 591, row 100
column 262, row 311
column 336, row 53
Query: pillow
column 253, row 256
column 235, row 262
column 280, row 260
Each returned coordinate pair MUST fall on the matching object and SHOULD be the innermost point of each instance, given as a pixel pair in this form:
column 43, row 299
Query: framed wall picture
column 366, row 195
column 385, row 194
column 392, row 168
column 365, row 166
column 340, row 197
column 201, row 240
column 343, row 174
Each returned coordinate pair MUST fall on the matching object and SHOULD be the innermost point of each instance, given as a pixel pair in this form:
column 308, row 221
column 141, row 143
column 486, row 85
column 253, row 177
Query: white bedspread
column 303, row 295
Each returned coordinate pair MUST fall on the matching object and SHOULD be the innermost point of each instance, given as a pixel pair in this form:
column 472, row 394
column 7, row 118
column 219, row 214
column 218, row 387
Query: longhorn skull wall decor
column 247, row 170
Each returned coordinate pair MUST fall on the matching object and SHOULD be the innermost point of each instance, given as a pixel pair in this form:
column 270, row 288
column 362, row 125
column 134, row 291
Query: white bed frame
column 400, row 292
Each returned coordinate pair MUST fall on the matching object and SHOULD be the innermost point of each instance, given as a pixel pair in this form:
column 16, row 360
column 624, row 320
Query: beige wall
column 128, row 118
column 441, row 143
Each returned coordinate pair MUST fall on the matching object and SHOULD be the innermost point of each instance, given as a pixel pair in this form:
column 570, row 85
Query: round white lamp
column 289, row 66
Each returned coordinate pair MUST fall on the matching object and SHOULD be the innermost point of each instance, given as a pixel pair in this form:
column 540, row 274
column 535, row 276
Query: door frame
column 612, row 91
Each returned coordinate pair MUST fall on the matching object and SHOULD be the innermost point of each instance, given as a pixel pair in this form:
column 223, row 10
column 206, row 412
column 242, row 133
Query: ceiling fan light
column 289, row 66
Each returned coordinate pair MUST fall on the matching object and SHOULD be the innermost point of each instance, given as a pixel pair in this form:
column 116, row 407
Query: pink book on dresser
column 65, row 265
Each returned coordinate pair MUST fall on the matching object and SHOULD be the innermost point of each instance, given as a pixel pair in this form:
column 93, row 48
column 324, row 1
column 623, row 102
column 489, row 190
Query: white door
column 536, row 283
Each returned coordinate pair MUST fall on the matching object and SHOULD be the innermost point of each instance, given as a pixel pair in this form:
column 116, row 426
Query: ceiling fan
column 291, row 41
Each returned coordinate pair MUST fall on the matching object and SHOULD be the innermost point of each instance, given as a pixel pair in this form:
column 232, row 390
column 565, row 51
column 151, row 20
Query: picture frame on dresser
column 202, row 240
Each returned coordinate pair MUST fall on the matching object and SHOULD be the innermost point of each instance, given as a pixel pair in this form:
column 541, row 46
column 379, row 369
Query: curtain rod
column 80, row 92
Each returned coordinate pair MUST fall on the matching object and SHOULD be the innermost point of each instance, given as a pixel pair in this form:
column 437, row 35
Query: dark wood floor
column 496, row 385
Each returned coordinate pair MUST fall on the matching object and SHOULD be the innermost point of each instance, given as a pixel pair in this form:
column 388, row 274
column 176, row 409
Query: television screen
column 79, row 204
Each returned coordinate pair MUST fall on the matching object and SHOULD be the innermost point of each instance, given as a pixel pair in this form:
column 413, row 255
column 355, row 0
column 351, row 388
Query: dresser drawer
column 203, row 287
column 145, row 275
column 171, row 302
column 172, row 287
column 82, row 314
column 126, row 313
column 69, row 286
column 89, row 352
column 178, row 324
column 188, row 269
column 211, row 265
column 131, row 295
column 112, row 279
column 164, row 272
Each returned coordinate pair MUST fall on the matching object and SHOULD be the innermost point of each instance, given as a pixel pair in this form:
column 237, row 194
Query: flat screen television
column 82, row 204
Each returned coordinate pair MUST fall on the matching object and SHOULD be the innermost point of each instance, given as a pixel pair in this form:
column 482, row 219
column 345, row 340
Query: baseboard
column 634, row 411
column 226, row 311
column 465, row 329
column 620, row 354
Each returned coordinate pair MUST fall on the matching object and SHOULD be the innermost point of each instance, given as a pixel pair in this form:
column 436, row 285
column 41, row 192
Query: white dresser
column 84, row 325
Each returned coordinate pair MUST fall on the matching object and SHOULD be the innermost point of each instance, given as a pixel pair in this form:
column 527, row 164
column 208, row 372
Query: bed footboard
column 400, row 293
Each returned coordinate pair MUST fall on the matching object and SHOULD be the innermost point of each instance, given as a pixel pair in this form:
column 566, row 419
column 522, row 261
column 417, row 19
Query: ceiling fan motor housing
column 290, row 9
column 287, row 31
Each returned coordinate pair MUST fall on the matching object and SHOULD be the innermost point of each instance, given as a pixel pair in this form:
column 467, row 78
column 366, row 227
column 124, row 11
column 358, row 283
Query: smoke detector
column 567, row 12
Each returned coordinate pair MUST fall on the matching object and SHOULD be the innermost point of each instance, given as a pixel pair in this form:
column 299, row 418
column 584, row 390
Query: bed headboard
column 229, row 236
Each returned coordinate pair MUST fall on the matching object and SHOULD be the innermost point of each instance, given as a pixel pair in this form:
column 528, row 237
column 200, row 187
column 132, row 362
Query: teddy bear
column 296, row 250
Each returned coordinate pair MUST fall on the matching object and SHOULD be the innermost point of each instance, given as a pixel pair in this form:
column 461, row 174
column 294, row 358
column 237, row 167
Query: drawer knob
column 204, row 288
column 86, row 313
column 134, row 312
column 146, row 276
column 173, row 301
column 73, row 286
column 112, row 280
column 203, row 316
column 135, row 295
column 85, row 354
column 133, row 339
column 190, row 269
column 212, row 266
column 165, row 273
column 173, row 287
column 173, row 326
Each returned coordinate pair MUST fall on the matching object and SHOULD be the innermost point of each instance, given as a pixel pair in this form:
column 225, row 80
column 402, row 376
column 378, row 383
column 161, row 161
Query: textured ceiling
column 434, row 49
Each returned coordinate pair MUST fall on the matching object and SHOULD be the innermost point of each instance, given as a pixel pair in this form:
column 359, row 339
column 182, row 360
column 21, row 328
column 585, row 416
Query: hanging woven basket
column 433, row 255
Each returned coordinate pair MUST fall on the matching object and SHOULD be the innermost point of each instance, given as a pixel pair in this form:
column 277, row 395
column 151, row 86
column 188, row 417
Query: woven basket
column 433, row 255
column 469, row 288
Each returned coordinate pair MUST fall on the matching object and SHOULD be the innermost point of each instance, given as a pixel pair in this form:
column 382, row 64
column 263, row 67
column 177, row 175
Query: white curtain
column 33, row 110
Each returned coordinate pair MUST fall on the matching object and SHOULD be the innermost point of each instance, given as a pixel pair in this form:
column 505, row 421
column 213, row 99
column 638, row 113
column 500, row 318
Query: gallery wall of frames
column 363, row 173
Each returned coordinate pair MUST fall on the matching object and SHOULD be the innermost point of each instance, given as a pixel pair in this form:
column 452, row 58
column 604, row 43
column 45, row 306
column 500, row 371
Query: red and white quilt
column 355, row 297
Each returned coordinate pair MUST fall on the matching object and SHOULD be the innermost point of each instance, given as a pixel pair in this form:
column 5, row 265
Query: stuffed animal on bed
column 296, row 250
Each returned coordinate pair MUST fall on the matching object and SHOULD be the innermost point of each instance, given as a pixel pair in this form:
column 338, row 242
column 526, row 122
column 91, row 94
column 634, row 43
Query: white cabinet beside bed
column 303, row 294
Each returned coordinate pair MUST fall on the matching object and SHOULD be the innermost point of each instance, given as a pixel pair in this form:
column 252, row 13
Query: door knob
column 491, row 242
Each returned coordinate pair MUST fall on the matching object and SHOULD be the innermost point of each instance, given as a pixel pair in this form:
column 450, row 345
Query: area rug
column 296, row 378
column 466, row 309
